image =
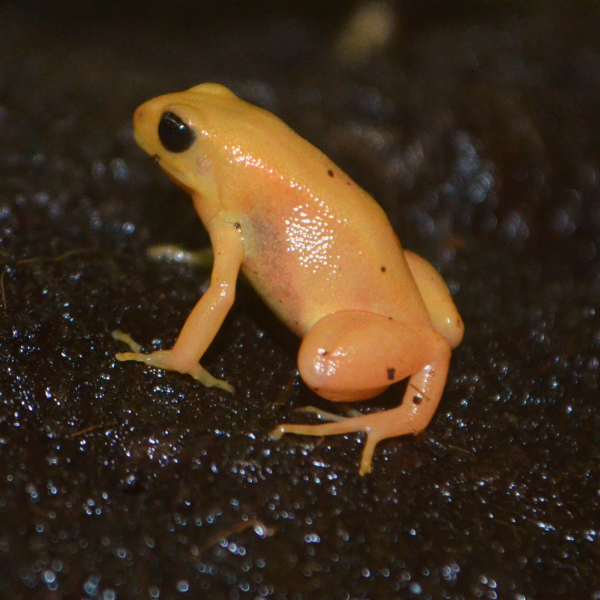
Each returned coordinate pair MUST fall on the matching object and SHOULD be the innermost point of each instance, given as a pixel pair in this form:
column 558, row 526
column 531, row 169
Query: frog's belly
column 301, row 294
column 307, row 264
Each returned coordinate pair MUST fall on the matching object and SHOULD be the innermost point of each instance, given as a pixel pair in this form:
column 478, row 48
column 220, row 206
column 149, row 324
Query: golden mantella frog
column 316, row 247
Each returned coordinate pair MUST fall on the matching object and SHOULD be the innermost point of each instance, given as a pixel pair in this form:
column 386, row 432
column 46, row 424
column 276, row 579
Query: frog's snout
column 142, row 130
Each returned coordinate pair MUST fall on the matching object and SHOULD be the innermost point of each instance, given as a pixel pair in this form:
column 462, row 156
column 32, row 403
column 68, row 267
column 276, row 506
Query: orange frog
column 317, row 248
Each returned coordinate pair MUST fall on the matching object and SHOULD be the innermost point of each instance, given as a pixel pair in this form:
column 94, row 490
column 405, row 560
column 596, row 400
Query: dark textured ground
column 479, row 134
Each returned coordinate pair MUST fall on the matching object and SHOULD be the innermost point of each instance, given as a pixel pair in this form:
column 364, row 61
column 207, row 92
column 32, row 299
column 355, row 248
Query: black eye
column 174, row 134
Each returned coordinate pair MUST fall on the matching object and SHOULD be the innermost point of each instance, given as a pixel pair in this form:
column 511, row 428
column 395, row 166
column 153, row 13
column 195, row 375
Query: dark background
column 477, row 129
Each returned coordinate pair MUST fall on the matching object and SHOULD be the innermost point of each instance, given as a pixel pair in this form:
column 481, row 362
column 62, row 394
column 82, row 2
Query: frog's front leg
column 207, row 316
column 354, row 355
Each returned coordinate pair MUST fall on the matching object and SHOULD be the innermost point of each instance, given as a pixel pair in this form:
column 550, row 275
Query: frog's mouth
column 175, row 174
column 141, row 142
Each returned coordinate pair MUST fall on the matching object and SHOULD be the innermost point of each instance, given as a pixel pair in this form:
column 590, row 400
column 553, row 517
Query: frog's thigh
column 355, row 355
column 418, row 351
column 437, row 298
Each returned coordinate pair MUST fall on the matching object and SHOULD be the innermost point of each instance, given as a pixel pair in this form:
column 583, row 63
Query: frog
column 320, row 252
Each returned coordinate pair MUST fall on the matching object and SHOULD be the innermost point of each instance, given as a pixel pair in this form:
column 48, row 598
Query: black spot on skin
column 237, row 226
column 383, row 269
column 391, row 374
column 330, row 173
column 417, row 399
column 349, row 183
column 391, row 318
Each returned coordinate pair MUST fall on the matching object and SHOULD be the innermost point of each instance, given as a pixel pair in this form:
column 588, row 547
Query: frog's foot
column 421, row 399
column 370, row 424
column 164, row 359
column 375, row 425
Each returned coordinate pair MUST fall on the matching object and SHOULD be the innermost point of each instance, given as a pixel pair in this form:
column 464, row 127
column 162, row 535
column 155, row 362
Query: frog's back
column 315, row 241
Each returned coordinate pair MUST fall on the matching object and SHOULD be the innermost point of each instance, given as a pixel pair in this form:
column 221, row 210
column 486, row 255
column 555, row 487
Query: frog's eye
column 175, row 135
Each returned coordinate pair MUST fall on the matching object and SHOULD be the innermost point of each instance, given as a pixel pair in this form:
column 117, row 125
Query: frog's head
column 177, row 131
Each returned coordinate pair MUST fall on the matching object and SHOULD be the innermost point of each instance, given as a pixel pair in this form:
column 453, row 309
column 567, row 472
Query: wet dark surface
column 479, row 135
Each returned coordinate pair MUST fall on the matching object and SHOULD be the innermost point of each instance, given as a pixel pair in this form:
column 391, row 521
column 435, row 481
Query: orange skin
column 319, row 251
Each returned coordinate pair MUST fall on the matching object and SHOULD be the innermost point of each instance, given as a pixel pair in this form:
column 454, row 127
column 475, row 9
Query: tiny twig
column 55, row 258
column 2, row 287
column 237, row 529
column 25, row 261
column 88, row 429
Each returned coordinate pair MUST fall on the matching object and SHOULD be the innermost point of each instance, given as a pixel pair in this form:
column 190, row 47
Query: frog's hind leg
column 370, row 352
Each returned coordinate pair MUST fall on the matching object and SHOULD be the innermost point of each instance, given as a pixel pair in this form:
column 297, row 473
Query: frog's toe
column 199, row 373
column 137, row 356
column 121, row 336
column 321, row 414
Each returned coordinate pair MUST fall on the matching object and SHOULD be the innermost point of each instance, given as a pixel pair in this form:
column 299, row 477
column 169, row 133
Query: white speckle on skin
column 312, row 238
